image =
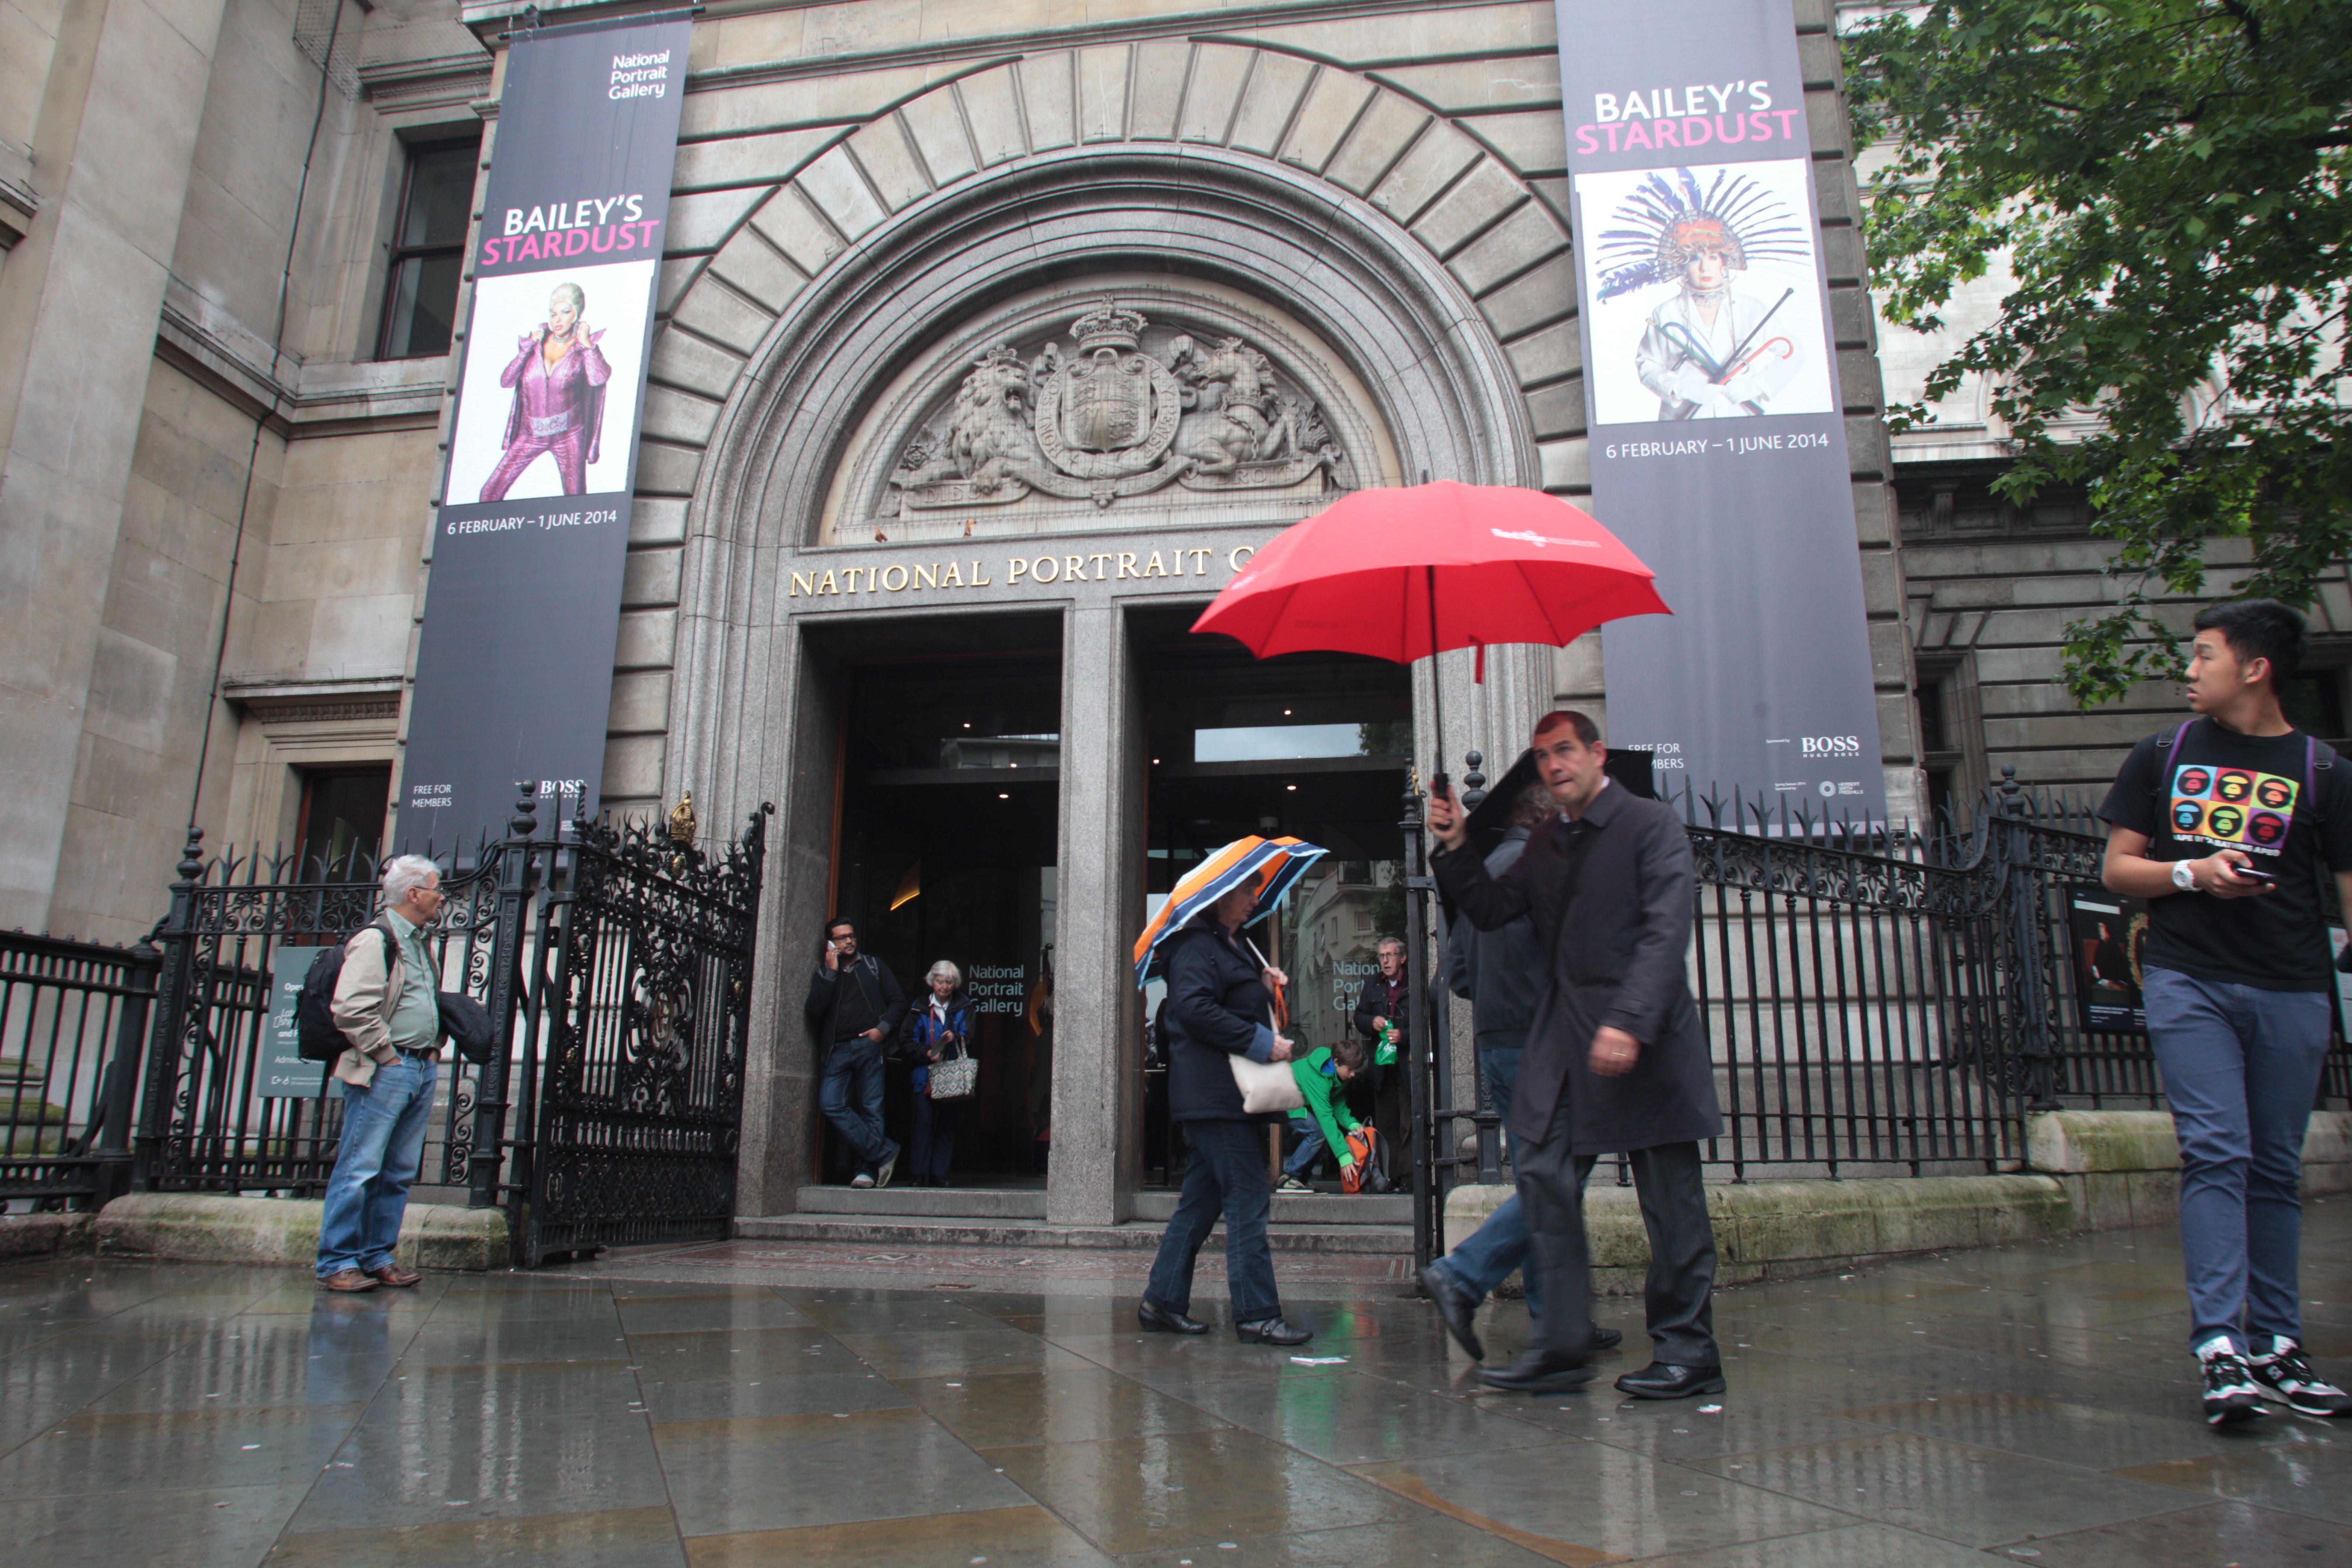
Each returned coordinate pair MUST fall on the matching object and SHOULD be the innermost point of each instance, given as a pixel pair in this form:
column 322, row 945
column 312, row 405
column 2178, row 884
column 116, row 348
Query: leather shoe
column 349, row 1281
column 393, row 1275
column 1455, row 1309
column 1660, row 1380
column 1537, row 1372
column 1162, row 1321
column 1607, row 1339
column 1271, row 1332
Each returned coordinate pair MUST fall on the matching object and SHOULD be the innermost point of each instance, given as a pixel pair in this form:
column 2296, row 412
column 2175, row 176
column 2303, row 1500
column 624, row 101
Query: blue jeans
column 935, row 1132
column 851, row 1099
column 2240, row 1070
column 383, row 1144
column 1311, row 1144
column 1227, row 1174
column 1486, row 1257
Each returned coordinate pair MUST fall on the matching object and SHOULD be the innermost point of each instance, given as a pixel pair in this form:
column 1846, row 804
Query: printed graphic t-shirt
column 2217, row 790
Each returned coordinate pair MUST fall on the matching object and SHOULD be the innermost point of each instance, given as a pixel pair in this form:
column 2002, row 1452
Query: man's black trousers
column 1679, row 1293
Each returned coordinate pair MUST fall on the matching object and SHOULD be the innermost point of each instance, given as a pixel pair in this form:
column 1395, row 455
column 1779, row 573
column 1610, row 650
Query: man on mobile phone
column 854, row 1007
column 2225, row 825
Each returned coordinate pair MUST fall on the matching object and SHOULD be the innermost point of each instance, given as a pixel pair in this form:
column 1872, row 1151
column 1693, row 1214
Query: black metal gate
column 641, row 1023
column 617, row 959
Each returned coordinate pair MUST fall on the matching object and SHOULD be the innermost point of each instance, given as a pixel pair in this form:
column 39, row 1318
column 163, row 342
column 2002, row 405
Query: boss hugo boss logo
column 1832, row 746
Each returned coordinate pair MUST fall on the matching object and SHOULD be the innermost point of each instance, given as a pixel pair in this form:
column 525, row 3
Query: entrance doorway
column 949, row 802
column 1314, row 746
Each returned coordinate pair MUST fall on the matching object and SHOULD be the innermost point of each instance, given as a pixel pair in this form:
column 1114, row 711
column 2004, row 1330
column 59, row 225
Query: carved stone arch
column 1395, row 235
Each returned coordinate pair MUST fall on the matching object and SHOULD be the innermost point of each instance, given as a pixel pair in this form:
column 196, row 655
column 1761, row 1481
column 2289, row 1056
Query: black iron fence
column 617, row 959
column 1878, row 1001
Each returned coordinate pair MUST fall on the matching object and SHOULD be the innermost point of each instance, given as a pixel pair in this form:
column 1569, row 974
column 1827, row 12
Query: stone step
column 1155, row 1205
column 1133, row 1236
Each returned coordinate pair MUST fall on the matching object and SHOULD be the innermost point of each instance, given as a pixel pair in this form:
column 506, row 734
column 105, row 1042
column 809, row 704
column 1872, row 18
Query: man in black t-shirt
column 2225, row 825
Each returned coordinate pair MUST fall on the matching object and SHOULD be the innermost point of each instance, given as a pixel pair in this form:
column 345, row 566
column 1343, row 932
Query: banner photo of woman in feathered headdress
column 1707, row 294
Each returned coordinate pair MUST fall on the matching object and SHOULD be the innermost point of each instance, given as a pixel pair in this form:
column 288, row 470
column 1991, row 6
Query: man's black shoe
column 1271, row 1332
column 1660, row 1381
column 1160, row 1321
column 1607, row 1339
column 1537, row 1372
column 1455, row 1309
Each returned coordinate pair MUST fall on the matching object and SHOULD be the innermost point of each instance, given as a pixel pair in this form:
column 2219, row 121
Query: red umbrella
column 1404, row 574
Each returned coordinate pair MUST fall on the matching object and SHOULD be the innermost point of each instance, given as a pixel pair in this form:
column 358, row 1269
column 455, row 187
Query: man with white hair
column 388, row 1005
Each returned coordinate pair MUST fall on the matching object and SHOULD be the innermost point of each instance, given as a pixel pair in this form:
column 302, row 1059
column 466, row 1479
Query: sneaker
column 861, row 1180
column 2230, row 1394
column 882, row 1176
column 2286, row 1375
column 1293, row 1185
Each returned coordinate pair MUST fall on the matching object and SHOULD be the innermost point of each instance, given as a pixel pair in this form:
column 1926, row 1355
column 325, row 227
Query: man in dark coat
column 854, row 1009
column 1616, row 1058
column 1383, row 1004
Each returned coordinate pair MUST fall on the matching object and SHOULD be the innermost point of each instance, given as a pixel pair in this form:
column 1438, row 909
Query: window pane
column 440, row 195
column 342, row 822
column 421, row 306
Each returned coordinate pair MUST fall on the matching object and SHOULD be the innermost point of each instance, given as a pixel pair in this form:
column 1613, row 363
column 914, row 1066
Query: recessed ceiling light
column 1290, row 786
column 1286, row 713
column 967, row 726
column 1002, row 797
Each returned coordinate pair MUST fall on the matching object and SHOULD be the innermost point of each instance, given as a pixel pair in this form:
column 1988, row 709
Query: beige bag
column 1265, row 1085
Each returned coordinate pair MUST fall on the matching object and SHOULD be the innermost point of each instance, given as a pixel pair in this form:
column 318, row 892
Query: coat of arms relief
column 1111, row 418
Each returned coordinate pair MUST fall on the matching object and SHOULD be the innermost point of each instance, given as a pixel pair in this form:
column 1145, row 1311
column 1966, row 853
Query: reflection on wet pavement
column 745, row 1403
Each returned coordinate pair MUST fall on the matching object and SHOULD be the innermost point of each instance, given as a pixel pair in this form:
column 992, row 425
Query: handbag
column 1265, row 1085
column 956, row 1077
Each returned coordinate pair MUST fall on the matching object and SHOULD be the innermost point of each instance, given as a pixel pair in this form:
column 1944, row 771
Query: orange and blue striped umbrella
column 1268, row 864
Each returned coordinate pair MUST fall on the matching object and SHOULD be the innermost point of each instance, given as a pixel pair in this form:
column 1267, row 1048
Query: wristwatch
column 2183, row 877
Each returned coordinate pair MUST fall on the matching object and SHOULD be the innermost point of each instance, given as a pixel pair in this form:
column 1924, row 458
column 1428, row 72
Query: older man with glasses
column 388, row 1005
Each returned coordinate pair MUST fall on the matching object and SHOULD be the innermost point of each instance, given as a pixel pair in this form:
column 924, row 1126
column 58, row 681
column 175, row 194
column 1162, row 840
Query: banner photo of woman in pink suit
column 558, row 377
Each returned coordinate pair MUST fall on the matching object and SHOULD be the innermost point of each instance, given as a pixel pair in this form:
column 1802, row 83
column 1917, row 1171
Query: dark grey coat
column 1501, row 974
column 1612, row 898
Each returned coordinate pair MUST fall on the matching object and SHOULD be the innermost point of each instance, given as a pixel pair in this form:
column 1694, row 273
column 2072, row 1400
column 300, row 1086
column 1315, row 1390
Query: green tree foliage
column 2167, row 181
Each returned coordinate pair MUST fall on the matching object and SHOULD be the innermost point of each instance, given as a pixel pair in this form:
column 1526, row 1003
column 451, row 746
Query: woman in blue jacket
column 941, row 1027
column 1218, row 1002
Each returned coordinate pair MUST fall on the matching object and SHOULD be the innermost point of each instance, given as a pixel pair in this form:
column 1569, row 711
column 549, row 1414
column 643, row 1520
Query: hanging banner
column 1710, row 387
column 514, row 667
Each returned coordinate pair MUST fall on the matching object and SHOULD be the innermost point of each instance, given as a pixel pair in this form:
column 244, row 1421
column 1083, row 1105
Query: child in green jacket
column 1323, row 1079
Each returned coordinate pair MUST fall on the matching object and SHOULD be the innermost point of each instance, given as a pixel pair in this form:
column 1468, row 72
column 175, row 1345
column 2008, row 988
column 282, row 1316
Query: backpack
column 318, row 1039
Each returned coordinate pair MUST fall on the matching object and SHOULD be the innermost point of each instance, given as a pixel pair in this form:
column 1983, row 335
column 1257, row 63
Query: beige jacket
column 366, row 994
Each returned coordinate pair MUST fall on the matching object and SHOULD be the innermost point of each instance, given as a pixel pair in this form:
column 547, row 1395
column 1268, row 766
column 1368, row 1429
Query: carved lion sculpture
column 1250, row 426
column 988, row 437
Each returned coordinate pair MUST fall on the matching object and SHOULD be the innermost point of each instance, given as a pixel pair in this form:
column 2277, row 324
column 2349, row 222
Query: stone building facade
column 1321, row 242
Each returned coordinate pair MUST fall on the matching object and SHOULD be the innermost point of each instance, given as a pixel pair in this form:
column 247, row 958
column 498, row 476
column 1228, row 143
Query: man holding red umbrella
column 1616, row 1058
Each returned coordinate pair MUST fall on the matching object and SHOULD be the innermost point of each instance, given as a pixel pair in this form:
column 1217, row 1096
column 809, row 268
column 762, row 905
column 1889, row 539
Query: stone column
column 1097, row 1017
column 78, row 305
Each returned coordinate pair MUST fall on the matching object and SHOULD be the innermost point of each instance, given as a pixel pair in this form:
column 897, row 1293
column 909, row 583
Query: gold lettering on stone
column 1156, row 569
column 1098, row 561
column 1018, row 567
column 1201, row 563
column 980, row 581
column 954, row 579
column 928, row 576
column 1235, row 556
column 1074, row 568
column 901, row 583
column 827, row 585
column 1126, row 565
column 1037, row 568
column 803, row 584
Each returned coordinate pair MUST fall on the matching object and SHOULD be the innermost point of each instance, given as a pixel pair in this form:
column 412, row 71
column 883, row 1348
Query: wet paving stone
column 726, row 1405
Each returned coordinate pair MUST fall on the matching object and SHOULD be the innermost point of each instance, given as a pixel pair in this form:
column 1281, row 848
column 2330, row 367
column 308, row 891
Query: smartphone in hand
column 2249, row 874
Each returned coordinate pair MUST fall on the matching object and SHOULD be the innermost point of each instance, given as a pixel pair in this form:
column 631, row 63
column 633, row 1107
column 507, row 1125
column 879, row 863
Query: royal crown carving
column 1111, row 417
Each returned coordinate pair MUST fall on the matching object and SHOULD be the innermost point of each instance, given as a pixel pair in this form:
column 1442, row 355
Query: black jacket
column 1500, row 973
column 1217, row 1008
column 827, row 989
column 1372, row 1002
column 1612, row 901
